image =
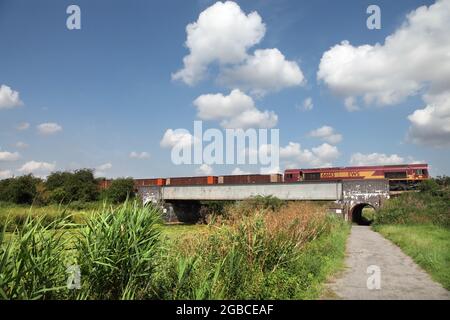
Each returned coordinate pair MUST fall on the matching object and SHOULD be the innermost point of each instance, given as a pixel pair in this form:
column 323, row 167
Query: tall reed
column 117, row 252
column 32, row 260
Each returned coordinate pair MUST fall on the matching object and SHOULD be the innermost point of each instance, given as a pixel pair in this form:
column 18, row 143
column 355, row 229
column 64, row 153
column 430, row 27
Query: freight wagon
column 149, row 182
column 250, row 179
column 191, row 181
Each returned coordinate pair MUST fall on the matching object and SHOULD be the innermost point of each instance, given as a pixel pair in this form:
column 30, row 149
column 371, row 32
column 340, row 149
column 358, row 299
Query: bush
column 430, row 186
column 120, row 190
column 430, row 205
column 213, row 208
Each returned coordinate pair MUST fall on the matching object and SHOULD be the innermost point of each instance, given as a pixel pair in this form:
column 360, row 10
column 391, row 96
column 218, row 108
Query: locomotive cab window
column 312, row 176
column 395, row 175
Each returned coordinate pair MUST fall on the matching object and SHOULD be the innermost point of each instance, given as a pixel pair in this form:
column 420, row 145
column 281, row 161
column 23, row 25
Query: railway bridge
column 348, row 197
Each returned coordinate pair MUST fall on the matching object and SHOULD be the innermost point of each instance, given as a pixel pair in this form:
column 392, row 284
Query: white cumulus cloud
column 37, row 167
column 327, row 133
column 264, row 71
column 139, row 155
column 100, row 171
column 49, row 128
column 9, row 156
column 178, row 137
column 105, row 166
column 308, row 104
column 320, row 156
column 5, row 174
column 9, row 98
column 204, row 169
column 360, row 159
column 237, row 110
column 431, row 125
column 238, row 171
column 415, row 54
column 270, row 170
column 414, row 59
column 222, row 34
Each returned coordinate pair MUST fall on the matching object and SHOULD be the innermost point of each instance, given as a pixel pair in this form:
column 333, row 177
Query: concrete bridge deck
column 294, row 191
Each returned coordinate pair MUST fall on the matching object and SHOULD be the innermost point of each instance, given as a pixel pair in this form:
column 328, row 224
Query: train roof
column 385, row 167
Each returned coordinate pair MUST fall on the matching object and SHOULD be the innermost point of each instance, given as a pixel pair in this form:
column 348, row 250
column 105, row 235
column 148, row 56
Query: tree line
column 63, row 187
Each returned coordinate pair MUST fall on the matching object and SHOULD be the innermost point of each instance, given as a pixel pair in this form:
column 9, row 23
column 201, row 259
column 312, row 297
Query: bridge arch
column 356, row 213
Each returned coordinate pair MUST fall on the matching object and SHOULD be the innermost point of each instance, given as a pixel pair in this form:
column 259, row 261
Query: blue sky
column 109, row 86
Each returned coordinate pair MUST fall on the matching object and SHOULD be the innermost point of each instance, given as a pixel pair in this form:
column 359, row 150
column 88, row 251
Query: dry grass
column 301, row 222
column 266, row 253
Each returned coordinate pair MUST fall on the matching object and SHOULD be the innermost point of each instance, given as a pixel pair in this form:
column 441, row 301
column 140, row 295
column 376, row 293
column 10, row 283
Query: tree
column 79, row 185
column 19, row 190
column 120, row 189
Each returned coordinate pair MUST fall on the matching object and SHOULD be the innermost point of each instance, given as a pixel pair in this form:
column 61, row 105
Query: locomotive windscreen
column 312, row 176
column 395, row 175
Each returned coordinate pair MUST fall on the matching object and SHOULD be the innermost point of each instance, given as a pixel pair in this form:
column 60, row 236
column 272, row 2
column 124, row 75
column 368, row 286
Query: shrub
column 430, row 186
column 120, row 189
column 430, row 205
column 213, row 208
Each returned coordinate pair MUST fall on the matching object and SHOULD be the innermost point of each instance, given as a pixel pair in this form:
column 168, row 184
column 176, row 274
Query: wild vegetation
column 281, row 254
column 431, row 205
column 125, row 252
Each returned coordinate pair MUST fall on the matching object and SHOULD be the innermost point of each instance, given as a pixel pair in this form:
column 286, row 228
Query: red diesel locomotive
column 400, row 176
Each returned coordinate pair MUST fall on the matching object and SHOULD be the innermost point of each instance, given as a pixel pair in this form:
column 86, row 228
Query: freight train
column 401, row 177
